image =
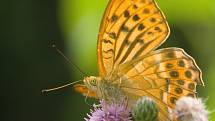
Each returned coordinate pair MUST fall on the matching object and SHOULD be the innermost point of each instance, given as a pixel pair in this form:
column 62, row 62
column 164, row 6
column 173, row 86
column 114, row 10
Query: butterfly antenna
column 60, row 87
column 68, row 60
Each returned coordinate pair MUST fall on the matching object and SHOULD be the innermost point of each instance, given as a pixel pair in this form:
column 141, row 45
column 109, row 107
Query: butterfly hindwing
column 130, row 28
column 165, row 75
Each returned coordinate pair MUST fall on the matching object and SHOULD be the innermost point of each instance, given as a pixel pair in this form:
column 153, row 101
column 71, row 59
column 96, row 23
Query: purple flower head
column 109, row 112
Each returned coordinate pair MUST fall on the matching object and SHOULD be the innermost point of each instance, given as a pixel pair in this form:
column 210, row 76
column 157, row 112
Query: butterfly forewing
column 130, row 28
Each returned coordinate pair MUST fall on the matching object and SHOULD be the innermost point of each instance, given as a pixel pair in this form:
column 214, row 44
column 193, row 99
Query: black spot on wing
column 107, row 41
column 174, row 74
column 136, row 17
column 170, row 55
column 173, row 100
column 188, row 74
column 126, row 14
column 114, row 18
column 141, row 27
column 135, row 6
column 149, row 33
column 146, row 11
column 178, row 90
column 153, row 20
column 158, row 29
column 191, row 86
column 112, row 35
column 124, row 28
column 107, row 51
column 108, row 57
column 181, row 63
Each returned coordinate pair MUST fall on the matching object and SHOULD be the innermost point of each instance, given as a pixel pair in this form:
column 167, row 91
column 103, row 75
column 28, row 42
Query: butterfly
column 129, row 64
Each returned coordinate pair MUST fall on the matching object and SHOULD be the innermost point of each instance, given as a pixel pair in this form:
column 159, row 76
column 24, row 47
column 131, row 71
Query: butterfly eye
column 93, row 82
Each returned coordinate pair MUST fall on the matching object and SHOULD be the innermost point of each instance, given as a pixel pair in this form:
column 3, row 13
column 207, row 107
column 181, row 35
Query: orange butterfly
column 130, row 66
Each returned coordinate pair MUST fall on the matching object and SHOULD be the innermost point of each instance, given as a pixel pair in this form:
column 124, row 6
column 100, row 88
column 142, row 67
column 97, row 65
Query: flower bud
column 145, row 110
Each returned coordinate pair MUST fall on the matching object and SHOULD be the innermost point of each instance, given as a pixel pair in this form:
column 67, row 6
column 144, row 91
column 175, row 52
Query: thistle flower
column 190, row 109
column 145, row 110
column 109, row 112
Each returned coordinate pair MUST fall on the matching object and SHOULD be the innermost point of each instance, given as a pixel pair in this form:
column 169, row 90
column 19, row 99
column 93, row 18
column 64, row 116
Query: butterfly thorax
column 105, row 88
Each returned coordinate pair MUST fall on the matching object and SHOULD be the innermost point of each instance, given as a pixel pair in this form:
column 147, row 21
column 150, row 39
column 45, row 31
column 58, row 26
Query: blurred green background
column 29, row 64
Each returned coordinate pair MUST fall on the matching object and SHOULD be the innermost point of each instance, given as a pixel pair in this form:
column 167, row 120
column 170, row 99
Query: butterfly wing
column 129, row 29
column 164, row 75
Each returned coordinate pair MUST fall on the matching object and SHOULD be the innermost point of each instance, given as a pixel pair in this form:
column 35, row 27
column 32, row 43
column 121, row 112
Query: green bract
column 145, row 110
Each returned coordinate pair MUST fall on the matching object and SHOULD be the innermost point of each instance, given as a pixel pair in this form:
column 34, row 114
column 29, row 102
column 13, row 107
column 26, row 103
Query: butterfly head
column 92, row 83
